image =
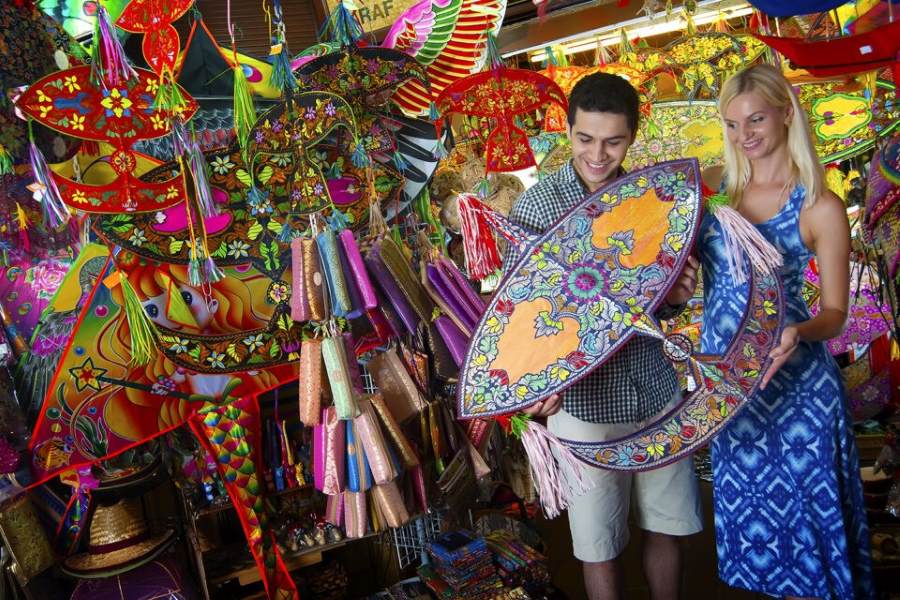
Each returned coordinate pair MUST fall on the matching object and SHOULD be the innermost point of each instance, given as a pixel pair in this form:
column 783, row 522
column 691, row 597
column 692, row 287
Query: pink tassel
column 557, row 474
column 114, row 64
column 56, row 213
column 480, row 247
column 742, row 240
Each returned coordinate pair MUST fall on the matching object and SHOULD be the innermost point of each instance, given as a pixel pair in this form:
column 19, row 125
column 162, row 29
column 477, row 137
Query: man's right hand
column 545, row 408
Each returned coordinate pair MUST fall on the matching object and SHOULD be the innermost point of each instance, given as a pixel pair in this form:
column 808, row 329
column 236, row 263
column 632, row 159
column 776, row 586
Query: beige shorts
column 666, row 500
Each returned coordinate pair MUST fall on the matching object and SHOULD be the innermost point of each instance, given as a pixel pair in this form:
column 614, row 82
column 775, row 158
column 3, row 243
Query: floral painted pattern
column 599, row 272
column 723, row 386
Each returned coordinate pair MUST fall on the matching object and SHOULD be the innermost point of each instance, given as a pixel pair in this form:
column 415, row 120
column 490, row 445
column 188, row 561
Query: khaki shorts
column 666, row 500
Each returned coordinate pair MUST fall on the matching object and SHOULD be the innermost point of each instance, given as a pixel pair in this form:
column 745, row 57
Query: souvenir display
column 501, row 94
column 244, row 291
column 448, row 52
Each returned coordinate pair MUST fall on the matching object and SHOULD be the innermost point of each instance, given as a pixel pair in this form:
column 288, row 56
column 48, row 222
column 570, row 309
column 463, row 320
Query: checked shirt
column 637, row 381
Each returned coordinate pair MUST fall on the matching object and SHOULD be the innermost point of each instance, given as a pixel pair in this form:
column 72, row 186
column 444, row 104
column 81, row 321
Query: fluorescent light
column 668, row 26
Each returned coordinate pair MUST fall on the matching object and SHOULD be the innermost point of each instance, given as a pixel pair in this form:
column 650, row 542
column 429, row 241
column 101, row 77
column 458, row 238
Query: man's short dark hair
column 604, row 92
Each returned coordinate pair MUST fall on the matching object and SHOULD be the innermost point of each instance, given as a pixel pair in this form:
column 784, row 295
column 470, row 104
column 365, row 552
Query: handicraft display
column 590, row 283
column 448, row 51
column 500, row 95
column 72, row 103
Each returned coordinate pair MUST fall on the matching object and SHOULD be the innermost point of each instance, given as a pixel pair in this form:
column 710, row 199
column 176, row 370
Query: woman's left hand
column 790, row 339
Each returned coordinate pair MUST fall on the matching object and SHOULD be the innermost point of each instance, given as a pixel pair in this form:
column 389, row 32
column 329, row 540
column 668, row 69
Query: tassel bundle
column 244, row 111
column 742, row 239
column 109, row 64
column 56, row 213
column 360, row 157
column 282, row 74
column 479, row 246
column 557, row 474
column 143, row 342
column 6, row 164
column 342, row 26
column 22, row 225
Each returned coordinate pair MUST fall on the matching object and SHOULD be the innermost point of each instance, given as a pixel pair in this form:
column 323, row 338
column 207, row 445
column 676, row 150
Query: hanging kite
column 500, row 95
column 858, row 53
column 72, row 103
column 586, row 286
column 449, row 38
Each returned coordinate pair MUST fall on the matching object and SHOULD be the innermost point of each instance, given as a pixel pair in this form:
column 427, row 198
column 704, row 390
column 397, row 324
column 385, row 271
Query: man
column 626, row 392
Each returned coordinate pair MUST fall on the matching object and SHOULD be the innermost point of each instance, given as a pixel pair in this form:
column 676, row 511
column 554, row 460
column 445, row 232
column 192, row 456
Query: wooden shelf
column 223, row 507
column 311, row 556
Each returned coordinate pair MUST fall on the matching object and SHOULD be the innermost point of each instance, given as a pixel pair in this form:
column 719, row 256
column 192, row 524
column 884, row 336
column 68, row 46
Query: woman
column 789, row 509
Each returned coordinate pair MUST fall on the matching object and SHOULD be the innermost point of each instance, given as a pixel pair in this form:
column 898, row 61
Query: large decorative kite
column 500, row 95
column 590, row 283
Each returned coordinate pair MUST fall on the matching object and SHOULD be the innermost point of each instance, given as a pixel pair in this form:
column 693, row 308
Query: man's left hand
column 683, row 290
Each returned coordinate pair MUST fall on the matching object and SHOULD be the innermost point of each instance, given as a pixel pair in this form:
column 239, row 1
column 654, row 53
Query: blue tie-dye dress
column 788, row 499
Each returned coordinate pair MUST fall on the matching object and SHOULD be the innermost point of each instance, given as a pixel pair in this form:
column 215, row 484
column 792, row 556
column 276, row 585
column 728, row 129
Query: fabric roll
column 373, row 443
column 405, row 450
column 355, row 519
column 359, row 474
column 390, row 503
column 310, row 382
column 335, row 458
column 358, row 270
column 335, row 359
column 339, row 295
column 334, row 510
column 299, row 300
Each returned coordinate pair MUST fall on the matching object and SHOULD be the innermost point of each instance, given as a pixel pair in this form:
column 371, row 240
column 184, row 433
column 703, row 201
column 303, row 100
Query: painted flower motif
column 296, row 195
column 137, row 237
column 585, row 282
column 42, row 97
column 221, row 165
column 282, row 160
column 330, row 110
column 259, row 202
column 623, row 240
column 46, row 279
column 152, row 86
column 79, row 198
column 277, row 127
column 171, row 192
column 179, row 345
column 116, row 102
column 259, row 136
column 318, row 189
column 238, row 249
column 216, row 360
column 254, row 341
column 310, row 114
column 278, row 292
column 70, row 82
column 45, row 109
column 77, row 122
column 157, row 121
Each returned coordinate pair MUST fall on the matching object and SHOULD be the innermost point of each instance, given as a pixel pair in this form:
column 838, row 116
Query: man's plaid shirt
column 637, row 381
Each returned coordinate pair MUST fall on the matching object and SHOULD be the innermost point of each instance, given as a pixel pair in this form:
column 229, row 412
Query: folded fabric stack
column 517, row 563
column 462, row 567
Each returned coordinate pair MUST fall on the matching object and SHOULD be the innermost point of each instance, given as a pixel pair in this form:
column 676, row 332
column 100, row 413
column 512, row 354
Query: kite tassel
column 439, row 151
column 359, row 158
column 110, row 61
column 557, row 474
column 244, row 111
column 282, row 74
column 433, row 114
column 56, row 213
column 22, row 223
column 6, row 164
column 479, row 245
column 143, row 342
column 212, row 271
column 197, row 165
column 400, row 162
column 743, row 240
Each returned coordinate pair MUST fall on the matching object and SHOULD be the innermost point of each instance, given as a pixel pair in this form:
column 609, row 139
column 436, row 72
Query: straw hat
column 119, row 541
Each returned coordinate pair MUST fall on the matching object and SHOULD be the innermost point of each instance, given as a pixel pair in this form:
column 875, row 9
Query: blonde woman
column 790, row 520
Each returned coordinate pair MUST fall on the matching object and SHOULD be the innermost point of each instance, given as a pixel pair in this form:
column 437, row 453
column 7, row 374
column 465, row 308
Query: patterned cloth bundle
column 462, row 563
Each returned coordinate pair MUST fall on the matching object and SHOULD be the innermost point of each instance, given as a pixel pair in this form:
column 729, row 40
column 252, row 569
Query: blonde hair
column 768, row 82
